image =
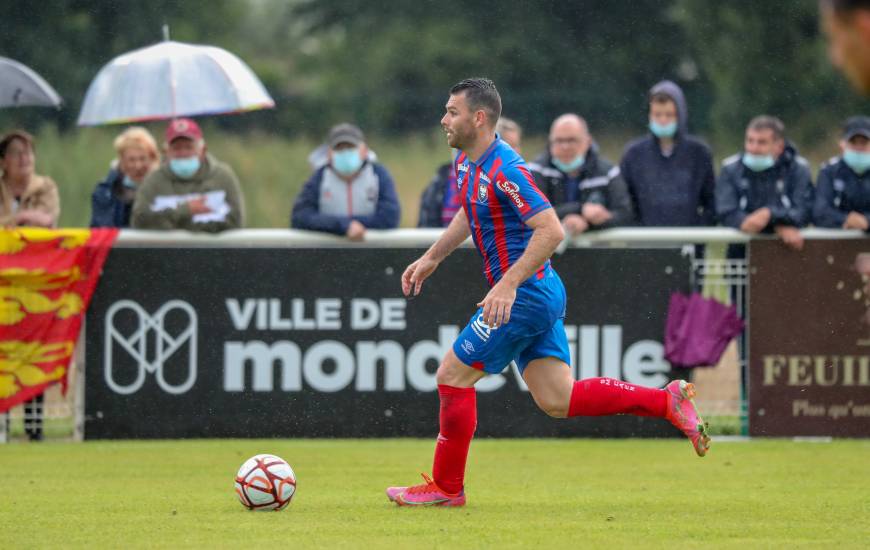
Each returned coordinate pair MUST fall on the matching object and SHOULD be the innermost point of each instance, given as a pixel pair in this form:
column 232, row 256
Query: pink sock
column 458, row 419
column 606, row 396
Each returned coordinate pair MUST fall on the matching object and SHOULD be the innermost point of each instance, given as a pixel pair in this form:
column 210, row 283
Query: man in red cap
column 192, row 190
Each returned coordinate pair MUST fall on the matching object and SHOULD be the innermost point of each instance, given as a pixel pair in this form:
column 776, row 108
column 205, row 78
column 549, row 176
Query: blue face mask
column 758, row 163
column 346, row 161
column 569, row 167
column 184, row 168
column 663, row 130
column 858, row 161
column 128, row 182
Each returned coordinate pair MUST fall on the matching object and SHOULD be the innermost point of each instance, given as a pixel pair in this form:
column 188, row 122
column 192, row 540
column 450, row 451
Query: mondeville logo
column 136, row 345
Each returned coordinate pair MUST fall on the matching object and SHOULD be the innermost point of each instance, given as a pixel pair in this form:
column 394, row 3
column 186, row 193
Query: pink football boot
column 683, row 414
column 426, row 494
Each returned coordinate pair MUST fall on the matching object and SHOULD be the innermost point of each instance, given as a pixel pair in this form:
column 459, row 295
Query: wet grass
column 522, row 493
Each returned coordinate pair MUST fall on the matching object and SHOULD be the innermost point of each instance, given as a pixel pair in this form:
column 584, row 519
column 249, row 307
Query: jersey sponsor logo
column 462, row 168
column 512, row 190
column 482, row 192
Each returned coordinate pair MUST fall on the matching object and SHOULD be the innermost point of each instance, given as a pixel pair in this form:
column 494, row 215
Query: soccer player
column 520, row 319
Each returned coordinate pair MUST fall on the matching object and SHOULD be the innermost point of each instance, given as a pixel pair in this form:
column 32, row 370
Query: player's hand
column 575, row 224
column 198, row 206
column 355, row 231
column 595, row 213
column 856, row 220
column 791, row 236
column 497, row 304
column 415, row 274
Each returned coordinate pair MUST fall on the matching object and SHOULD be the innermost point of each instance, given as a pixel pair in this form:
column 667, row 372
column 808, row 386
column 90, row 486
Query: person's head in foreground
column 847, row 24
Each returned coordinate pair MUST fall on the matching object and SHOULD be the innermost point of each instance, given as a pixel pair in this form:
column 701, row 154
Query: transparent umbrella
column 172, row 79
column 20, row 86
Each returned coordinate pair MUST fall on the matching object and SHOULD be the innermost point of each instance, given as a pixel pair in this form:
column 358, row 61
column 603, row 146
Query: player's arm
column 419, row 271
column 546, row 236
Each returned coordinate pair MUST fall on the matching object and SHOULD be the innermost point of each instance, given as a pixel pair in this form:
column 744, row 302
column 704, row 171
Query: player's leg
column 546, row 372
column 457, row 422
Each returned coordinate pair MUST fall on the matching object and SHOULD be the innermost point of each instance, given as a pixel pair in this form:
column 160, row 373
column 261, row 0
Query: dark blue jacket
column 839, row 190
column 369, row 199
column 675, row 190
column 786, row 189
column 432, row 199
column 108, row 209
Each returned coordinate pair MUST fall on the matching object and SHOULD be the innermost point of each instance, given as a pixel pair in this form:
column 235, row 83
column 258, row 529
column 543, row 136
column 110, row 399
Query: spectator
column 112, row 200
column 26, row 199
column 585, row 189
column 350, row 193
column 440, row 200
column 767, row 188
column 843, row 187
column 669, row 173
column 192, row 190
column 511, row 132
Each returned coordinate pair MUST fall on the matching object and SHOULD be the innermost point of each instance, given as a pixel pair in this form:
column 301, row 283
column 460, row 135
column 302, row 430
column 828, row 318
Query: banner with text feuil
column 809, row 333
column 321, row 343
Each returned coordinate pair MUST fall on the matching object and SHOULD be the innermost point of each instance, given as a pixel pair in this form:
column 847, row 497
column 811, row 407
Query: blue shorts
column 535, row 330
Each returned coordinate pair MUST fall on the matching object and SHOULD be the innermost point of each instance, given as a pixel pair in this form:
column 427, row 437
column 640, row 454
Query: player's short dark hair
column 767, row 122
column 844, row 7
column 481, row 95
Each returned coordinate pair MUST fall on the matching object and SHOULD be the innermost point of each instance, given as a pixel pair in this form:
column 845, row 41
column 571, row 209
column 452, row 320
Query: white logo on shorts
column 467, row 347
column 480, row 328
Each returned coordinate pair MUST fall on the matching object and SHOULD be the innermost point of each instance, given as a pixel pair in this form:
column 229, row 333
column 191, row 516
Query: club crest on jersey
column 482, row 192
column 512, row 190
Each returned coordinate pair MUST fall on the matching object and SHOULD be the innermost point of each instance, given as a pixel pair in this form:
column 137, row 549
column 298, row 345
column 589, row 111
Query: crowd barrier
column 281, row 333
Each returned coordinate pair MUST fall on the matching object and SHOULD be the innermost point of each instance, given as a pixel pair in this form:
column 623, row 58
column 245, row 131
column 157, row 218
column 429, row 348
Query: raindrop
column 830, row 260
column 389, row 271
column 856, row 295
column 840, row 285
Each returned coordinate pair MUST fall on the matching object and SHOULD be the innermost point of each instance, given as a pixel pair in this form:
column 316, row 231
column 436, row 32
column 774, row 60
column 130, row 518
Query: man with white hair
column 192, row 190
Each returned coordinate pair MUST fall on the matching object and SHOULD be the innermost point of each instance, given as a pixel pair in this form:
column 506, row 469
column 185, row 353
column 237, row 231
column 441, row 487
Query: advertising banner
column 809, row 333
column 253, row 342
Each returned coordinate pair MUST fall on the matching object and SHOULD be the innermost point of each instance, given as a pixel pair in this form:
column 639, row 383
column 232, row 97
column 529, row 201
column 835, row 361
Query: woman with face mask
column 843, row 187
column 26, row 198
column 112, row 200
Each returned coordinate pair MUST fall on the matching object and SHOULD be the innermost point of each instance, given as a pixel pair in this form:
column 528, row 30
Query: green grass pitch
column 522, row 494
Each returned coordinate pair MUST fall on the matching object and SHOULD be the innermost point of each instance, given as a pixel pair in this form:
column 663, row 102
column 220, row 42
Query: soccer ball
column 265, row 482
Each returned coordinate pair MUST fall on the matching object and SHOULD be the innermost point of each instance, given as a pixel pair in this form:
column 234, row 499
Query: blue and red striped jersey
column 498, row 195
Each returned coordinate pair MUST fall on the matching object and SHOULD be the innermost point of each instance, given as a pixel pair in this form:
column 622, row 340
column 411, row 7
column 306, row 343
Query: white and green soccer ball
column 265, row 482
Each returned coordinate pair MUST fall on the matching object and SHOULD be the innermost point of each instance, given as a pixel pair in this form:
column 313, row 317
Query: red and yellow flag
column 47, row 278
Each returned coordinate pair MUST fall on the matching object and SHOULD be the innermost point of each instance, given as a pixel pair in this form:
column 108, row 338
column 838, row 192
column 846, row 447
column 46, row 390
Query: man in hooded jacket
column 669, row 173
